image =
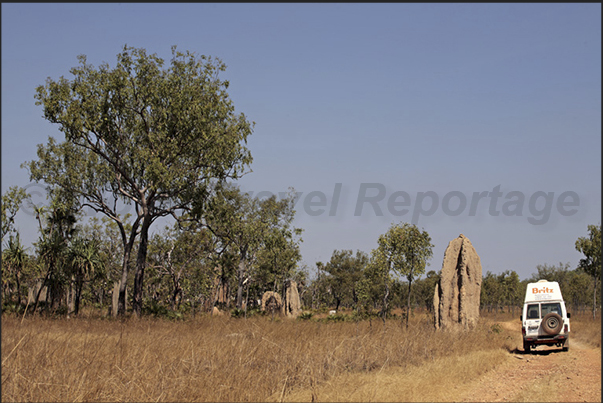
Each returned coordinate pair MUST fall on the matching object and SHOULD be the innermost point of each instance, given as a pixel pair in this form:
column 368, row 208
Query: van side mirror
column 569, row 315
column 521, row 317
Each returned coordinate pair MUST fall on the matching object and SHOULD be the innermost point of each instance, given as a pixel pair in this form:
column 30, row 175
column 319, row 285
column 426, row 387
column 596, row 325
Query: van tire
column 552, row 324
column 566, row 345
column 526, row 347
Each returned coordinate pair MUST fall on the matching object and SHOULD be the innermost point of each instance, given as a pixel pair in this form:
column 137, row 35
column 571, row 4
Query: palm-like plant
column 59, row 227
column 14, row 259
column 51, row 250
column 84, row 259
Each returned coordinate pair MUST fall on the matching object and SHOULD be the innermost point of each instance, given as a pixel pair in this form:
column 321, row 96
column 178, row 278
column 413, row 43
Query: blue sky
column 416, row 101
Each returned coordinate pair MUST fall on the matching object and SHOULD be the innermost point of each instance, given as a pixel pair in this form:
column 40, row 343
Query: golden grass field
column 225, row 359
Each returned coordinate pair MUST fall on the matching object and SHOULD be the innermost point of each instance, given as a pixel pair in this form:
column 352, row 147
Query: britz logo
column 543, row 290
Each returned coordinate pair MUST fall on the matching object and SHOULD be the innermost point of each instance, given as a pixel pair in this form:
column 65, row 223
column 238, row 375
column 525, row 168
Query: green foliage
column 575, row 289
column 591, row 263
column 105, row 233
column 342, row 274
column 506, row 290
column 57, row 227
column 255, row 239
column 502, row 290
column 158, row 310
column 237, row 313
column 560, row 273
column 364, row 295
column 591, row 248
column 424, row 289
column 338, row 317
column 305, row 316
column 83, row 256
column 11, row 202
column 16, row 272
column 491, row 294
column 404, row 250
column 179, row 267
column 158, row 138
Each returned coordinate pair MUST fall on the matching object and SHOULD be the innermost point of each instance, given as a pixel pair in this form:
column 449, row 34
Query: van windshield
column 551, row 307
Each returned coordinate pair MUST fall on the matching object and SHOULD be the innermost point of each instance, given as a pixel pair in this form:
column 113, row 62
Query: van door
column 532, row 319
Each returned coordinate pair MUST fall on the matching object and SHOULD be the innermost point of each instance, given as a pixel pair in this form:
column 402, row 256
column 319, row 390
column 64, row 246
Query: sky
column 474, row 119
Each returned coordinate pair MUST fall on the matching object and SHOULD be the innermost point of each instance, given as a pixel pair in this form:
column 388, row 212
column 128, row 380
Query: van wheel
column 552, row 323
column 526, row 347
column 566, row 345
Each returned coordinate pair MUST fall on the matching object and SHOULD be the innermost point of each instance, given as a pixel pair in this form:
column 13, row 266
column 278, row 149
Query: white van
column 544, row 319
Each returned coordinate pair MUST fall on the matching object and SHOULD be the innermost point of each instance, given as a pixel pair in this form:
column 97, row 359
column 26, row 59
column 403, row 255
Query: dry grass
column 587, row 330
column 225, row 359
column 432, row 381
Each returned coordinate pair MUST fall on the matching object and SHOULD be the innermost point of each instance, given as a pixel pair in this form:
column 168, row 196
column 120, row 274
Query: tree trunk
column 40, row 290
column 123, row 282
column 246, row 299
column 595, row 300
column 241, row 280
column 141, row 259
column 385, row 302
column 79, row 284
column 125, row 268
column 19, row 288
column 217, row 294
column 408, row 303
column 177, row 292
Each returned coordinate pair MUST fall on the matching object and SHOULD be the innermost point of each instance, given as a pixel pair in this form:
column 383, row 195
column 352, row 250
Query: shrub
column 338, row 317
column 305, row 316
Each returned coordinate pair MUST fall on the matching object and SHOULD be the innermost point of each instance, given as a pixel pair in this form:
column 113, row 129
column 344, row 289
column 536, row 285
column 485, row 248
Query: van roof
column 543, row 290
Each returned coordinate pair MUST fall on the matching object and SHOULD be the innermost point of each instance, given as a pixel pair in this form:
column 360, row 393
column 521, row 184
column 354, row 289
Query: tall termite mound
column 457, row 294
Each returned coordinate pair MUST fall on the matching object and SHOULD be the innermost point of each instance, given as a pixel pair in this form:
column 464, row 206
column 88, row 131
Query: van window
column 552, row 307
column 533, row 311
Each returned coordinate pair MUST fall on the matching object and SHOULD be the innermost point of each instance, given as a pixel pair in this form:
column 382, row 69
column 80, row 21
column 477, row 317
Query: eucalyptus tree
column 256, row 233
column 235, row 219
column 180, row 264
column 511, row 289
column 424, row 289
column 405, row 250
column 377, row 282
column 590, row 247
column 319, row 288
column 345, row 270
column 279, row 255
column 143, row 135
column 491, row 294
column 14, row 255
column 578, row 283
column 11, row 202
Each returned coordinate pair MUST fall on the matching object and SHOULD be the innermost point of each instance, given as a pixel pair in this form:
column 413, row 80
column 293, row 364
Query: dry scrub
column 224, row 359
column 587, row 330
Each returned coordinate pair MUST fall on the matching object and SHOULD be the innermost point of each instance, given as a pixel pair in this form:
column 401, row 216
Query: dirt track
column 546, row 375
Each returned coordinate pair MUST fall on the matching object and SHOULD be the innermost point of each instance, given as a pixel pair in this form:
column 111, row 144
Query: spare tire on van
column 552, row 323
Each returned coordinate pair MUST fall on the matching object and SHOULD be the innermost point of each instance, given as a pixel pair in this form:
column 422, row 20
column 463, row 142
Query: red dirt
column 548, row 374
